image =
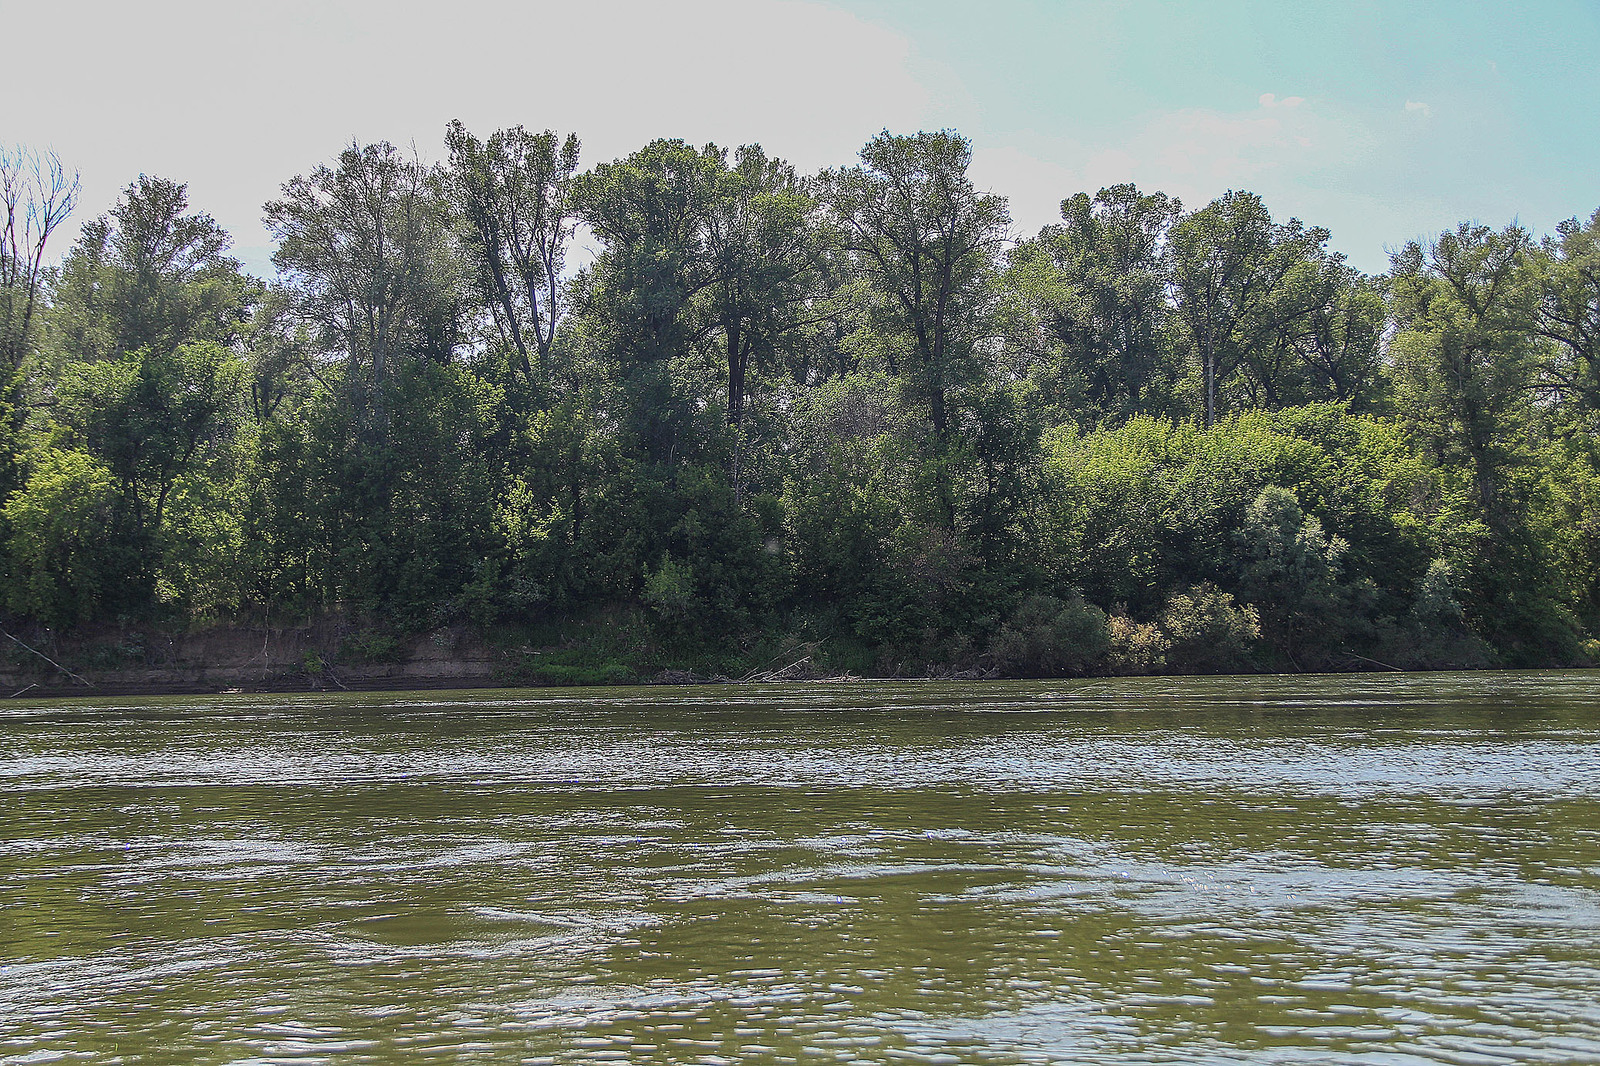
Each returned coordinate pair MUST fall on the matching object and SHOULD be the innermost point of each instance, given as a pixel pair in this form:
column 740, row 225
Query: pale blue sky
column 1382, row 122
column 1409, row 116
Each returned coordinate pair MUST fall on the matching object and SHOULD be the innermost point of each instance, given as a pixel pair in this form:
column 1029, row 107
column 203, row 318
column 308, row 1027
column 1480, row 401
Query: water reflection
column 1395, row 870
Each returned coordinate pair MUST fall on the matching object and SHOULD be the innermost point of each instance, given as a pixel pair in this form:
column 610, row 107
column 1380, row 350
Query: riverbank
column 326, row 654
column 336, row 653
column 333, row 654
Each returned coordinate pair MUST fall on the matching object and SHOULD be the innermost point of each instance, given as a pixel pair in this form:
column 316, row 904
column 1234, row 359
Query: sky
column 1383, row 122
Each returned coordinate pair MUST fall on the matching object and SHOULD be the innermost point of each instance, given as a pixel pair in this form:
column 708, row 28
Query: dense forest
column 850, row 413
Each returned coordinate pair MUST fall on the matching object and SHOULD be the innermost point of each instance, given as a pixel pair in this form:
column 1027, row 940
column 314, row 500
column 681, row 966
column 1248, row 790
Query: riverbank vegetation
column 850, row 412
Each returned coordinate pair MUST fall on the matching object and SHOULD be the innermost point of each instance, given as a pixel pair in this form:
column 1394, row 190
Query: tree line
column 848, row 410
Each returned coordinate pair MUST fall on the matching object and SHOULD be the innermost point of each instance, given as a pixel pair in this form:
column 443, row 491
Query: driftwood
column 1374, row 662
column 783, row 673
column 46, row 658
column 800, row 670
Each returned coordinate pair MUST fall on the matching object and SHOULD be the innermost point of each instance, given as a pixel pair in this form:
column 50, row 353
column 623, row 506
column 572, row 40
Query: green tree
column 651, row 210
column 1464, row 356
column 511, row 194
column 764, row 252
column 65, row 560
column 927, row 240
column 144, row 312
column 1293, row 572
column 36, row 196
column 151, row 275
column 363, row 253
column 1339, row 339
column 1566, row 273
column 148, row 416
column 765, row 249
column 1093, row 290
column 401, row 526
column 1240, row 279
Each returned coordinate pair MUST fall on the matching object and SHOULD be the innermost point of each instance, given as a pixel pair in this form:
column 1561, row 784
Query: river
column 1389, row 869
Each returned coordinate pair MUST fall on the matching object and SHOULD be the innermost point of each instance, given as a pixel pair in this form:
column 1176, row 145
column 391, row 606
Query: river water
column 1380, row 869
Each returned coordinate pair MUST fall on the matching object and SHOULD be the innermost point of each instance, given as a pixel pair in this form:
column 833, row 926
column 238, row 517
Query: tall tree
column 1464, row 354
column 363, row 252
column 651, row 210
column 511, row 193
column 152, row 275
column 763, row 241
column 1234, row 276
column 1566, row 273
column 1093, row 290
column 928, row 240
column 1339, row 340
column 764, row 258
column 148, row 415
column 36, row 196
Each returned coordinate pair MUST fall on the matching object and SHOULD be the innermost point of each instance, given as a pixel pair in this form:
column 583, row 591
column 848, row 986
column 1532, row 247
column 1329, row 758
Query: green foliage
column 1305, row 514
column 150, row 415
column 391, row 527
column 1093, row 290
column 1565, row 276
column 64, row 559
column 371, row 646
column 1154, row 506
column 364, row 260
column 206, row 561
column 669, row 590
column 1465, row 357
column 1261, row 304
column 149, row 276
column 510, row 199
column 574, row 666
column 1048, row 637
column 926, row 241
column 1204, row 631
column 779, row 411
column 1293, row 573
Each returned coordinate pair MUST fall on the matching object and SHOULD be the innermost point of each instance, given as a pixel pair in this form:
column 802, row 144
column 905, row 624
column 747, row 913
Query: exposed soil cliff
column 326, row 654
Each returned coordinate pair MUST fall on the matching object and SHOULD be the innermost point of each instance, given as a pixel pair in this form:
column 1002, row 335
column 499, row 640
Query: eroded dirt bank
column 323, row 655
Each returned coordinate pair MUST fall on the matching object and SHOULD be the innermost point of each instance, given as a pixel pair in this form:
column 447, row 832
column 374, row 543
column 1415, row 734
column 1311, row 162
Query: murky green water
column 1306, row 870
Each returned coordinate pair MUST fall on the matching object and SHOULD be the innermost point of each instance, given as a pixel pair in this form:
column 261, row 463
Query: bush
column 63, row 556
column 1048, row 637
column 1205, row 632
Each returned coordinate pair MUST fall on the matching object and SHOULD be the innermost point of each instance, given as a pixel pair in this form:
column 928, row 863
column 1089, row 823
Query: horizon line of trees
column 842, row 407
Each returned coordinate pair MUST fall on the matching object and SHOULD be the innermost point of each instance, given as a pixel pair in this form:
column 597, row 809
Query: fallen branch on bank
column 785, row 673
column 1375, row 662
column 46, row 658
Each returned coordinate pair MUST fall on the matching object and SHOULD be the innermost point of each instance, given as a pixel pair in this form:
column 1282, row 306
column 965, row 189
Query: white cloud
column 1202, row 152
column 1425, row 110
column 1298, row 156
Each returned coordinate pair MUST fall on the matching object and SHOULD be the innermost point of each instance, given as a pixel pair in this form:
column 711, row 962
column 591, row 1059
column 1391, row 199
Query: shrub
column 1048, row 637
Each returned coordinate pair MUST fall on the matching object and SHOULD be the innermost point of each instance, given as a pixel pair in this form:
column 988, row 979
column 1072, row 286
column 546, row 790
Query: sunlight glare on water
column 1381, row 869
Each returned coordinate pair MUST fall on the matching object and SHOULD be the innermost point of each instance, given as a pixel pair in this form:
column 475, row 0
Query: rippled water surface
column 1400, row 869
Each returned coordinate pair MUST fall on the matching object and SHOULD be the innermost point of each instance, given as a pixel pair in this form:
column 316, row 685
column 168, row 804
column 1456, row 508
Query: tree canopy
column 691, row 407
